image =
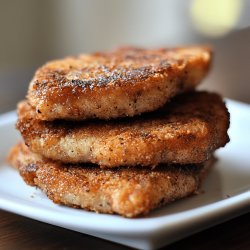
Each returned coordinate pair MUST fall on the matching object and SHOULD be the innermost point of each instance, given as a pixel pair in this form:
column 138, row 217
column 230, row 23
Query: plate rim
column 210, row 211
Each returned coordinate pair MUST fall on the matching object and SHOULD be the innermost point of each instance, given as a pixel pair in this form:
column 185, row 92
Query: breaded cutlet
column 186, row 130
column 124, row 82
column 129, row 192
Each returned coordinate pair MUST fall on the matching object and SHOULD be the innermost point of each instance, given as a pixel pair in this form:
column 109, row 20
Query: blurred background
column 33, row 32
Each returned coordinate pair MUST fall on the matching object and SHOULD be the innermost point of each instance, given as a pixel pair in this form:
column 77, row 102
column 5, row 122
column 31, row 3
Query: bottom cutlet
column 129, row 192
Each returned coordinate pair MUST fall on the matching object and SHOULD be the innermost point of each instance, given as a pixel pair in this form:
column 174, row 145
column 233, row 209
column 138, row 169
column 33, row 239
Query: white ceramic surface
column 226, row 195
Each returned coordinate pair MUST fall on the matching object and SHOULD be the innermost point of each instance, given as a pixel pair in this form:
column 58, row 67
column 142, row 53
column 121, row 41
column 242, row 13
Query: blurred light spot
column 215, row 17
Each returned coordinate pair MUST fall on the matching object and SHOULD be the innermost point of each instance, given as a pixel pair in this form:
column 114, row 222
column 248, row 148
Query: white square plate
column 226, row 195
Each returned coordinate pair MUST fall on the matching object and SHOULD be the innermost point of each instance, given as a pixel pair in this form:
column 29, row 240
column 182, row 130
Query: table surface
column 17, row 232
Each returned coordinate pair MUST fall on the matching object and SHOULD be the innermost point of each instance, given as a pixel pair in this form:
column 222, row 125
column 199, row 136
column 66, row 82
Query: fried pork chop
column 186, row 130
column 126, row 191
column 124, row 82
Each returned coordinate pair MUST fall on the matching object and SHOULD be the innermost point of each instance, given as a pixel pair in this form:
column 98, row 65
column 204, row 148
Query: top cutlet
column 126, row 65
column 91, row 85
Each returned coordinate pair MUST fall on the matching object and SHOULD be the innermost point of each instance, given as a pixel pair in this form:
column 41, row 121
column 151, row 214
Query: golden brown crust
column 124, row 82
column 126, row 191
column 187, row 130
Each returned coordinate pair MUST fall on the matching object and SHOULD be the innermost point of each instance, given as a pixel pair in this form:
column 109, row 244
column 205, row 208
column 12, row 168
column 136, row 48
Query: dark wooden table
column 17, row 232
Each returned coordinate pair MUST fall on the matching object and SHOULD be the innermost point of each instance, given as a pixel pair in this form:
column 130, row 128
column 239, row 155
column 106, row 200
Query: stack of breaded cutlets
column 120, row 132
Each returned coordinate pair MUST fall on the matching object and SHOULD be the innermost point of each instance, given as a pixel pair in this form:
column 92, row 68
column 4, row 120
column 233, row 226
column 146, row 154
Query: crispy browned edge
column 129, row 192
column 125, row 82
column 185, row 131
